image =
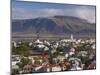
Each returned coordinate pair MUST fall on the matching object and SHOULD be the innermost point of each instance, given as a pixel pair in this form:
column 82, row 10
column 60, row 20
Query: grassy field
column 31, row 38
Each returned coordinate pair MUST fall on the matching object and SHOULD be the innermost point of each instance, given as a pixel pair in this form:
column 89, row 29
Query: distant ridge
column 57, row 25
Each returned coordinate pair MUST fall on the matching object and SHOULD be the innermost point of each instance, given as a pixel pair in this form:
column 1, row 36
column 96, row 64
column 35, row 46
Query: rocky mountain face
column 57, row 25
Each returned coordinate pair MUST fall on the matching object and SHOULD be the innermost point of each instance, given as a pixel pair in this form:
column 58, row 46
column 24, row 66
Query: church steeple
column 71, row 37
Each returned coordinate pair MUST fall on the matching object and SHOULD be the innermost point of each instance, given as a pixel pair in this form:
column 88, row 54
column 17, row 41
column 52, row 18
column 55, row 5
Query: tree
column 23, row 62
column 23, row 50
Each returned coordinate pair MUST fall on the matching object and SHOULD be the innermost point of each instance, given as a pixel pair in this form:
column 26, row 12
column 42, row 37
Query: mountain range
column 56, row 25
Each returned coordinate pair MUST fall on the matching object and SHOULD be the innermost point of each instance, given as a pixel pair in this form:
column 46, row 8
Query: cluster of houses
column 54, row 56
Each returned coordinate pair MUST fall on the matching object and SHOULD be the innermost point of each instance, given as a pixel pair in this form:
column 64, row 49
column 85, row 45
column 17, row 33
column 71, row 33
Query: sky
column 29, row 10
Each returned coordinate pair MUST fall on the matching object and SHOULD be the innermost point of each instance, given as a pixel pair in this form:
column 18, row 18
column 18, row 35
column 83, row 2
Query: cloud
column 25, row 14
column 82, row 12
column 86, row 13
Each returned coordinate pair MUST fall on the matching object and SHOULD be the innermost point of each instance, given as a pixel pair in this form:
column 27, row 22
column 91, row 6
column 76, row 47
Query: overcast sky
column 28, row 10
